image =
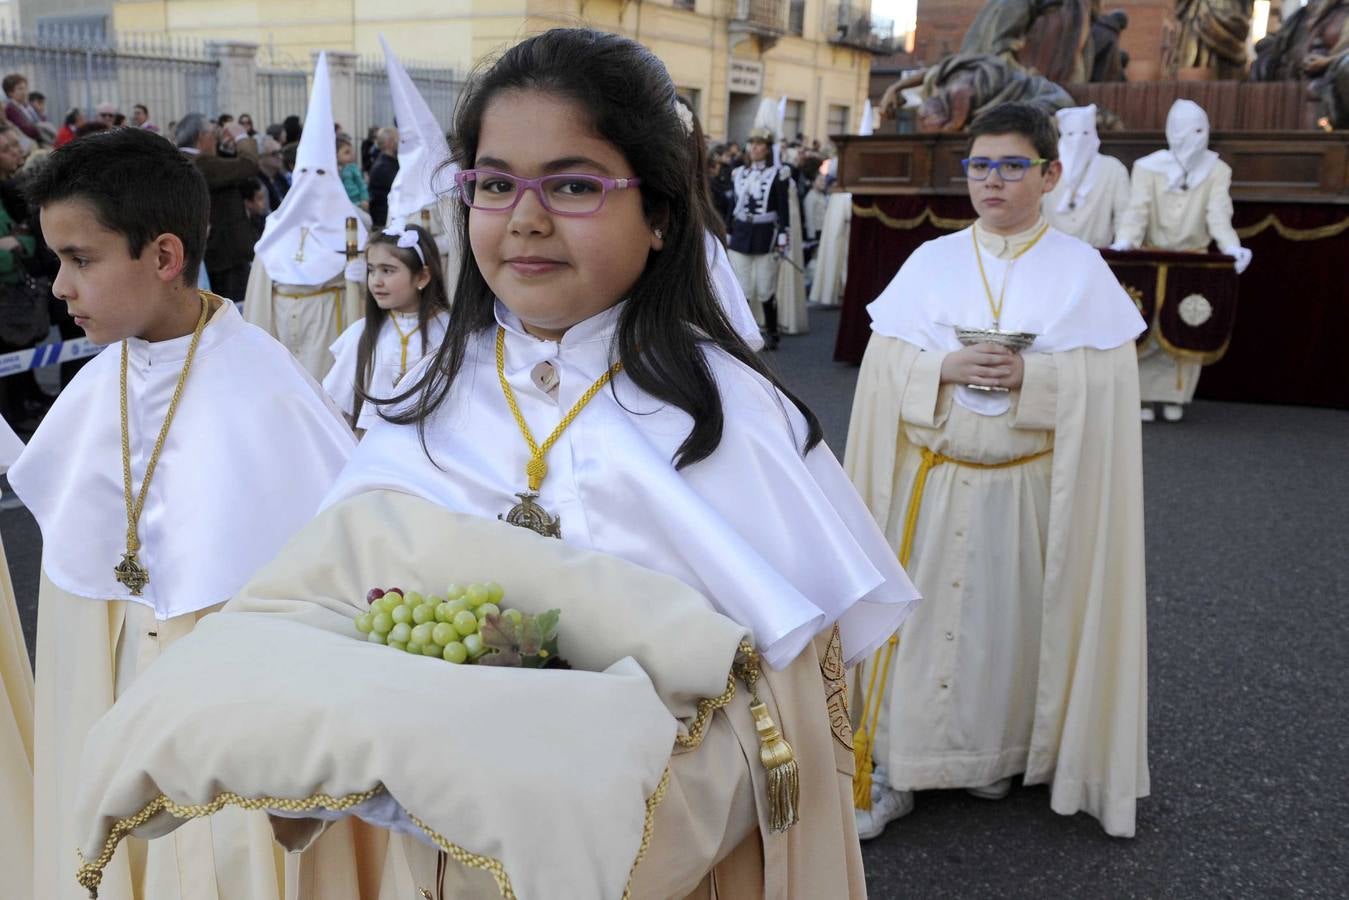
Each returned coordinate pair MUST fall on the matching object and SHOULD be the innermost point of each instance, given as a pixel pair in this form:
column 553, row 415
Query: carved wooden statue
column 1313, row 44
column 1212, row 37
column 960, row 87
column 1049, row 37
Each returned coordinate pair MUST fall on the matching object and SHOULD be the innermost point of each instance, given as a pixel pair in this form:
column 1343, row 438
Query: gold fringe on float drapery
column 1294, row 234
column 928, row 217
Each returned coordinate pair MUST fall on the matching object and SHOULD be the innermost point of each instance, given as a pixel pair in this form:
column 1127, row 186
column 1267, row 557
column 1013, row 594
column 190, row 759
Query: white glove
column 1122, row 245
column 356, row 270
column 782, row 242
column 1240, row 254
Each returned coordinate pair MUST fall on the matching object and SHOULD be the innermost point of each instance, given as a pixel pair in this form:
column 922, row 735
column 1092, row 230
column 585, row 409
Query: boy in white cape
column 1010, row 482
column 175, row 464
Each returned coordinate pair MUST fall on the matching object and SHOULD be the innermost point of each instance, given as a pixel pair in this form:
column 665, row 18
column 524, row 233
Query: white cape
column 778, row 541
column 70, row 476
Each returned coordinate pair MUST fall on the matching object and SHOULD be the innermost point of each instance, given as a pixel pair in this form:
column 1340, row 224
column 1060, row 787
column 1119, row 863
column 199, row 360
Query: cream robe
column 611, row 482
column 16, row 744
column 831, row 259
column 252, row 431
column 1100, row 212
column 791, row 294
column 1176, row 220
column 389, row 364
column 1029, row 651
column 306, row 319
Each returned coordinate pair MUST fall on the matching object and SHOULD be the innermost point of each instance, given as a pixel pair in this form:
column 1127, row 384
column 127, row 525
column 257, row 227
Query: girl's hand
column 983, row 365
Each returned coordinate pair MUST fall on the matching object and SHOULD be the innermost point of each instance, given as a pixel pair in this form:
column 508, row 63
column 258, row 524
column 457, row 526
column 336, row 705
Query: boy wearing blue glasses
column 995, row 439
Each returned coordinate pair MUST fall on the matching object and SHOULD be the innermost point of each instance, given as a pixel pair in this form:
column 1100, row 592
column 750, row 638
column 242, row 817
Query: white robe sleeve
column 340, row 382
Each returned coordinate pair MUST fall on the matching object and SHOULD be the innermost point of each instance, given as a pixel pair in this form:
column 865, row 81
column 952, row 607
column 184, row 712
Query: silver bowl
column 1014, row 340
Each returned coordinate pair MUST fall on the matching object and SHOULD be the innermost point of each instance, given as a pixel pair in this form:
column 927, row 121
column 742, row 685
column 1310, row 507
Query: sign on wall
column 745, row 77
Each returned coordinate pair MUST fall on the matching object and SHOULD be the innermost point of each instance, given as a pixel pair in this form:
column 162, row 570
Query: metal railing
column 762, row 16
column 281, row 93
column 441, row 86
column 79, row 68
column 853, row 25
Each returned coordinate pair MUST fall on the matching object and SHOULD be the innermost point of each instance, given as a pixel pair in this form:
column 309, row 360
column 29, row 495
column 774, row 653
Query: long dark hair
column 672, row 310
column 433, row 301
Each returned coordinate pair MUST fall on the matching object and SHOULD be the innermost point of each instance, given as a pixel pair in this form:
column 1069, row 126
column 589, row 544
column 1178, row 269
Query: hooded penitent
column 305, row 241
column 421, row 147
column 1079, row 145
column 1187, row 161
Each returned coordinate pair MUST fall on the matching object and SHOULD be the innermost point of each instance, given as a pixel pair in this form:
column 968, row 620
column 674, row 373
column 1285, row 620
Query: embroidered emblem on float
column 1195, row 310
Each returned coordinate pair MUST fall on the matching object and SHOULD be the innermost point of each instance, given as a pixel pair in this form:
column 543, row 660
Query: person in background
column 255, row 204
column 382, row 174
column 118, row 120
column 290, row 143
column 812, row 210
column 223, row 119
column 719, row 183
column 140, row 118
column 20, row 399
column 352, row 179
column 368, row 148
column 107, row 114
column 38, row 102
column 18, row 111
column 246, row 121
column 229, row 247
column 274, row 176
column 73, row 120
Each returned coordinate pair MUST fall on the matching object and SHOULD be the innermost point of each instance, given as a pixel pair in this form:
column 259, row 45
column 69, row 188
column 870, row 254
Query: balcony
column 765, row 18
column 853, row 25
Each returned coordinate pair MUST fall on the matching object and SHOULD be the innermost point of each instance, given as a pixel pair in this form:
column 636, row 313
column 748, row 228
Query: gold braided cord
column 467, row 858
column 698, row 728
column 925, row 217
column 305, row 295
column 648, row 828
column 133, row 509
column 90, row 874
column 402, row 344
column 996, row 308
column 1294, row 234
column 537, row 468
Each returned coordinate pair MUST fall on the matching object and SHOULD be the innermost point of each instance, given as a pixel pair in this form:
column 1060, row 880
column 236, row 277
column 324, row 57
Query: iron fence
column 439, row 85
column 79, row 68
column 281, row 93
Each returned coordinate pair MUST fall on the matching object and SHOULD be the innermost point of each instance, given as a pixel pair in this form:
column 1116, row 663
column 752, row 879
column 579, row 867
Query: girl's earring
column 660, row 235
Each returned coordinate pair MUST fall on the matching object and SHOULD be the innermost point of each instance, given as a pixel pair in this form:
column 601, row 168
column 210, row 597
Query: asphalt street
column 1248, row 619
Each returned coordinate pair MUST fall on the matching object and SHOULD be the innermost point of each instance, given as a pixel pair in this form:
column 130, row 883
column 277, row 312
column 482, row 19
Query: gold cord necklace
column 996, row 306
column 527, row 513
column 402, row 346
column 129, row 571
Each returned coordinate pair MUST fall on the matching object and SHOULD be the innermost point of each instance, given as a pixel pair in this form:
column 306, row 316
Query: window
column 796, row 17
column 793, row 120
column 838, row 121
column 684, row 4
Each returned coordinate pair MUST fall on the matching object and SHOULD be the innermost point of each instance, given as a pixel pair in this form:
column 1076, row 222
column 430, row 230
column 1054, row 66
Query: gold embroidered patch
column 836, row 690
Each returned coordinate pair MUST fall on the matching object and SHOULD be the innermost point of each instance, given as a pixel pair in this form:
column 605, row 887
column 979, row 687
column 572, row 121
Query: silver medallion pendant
column 528, row 514
column 131, row 573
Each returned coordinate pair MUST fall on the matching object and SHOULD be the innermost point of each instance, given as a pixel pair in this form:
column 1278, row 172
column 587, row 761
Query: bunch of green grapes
column 448, row 627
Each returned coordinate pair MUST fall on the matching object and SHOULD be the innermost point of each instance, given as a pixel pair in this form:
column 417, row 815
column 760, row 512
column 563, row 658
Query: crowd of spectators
column 248, row 171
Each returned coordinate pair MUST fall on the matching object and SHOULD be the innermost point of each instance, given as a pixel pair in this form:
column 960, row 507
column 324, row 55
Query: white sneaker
column 1148, row 414
column 1173, row 412
column 886, row 806
column 995, row 791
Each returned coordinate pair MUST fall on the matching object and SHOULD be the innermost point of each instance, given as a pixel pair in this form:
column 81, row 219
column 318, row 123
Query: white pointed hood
column 1187, row 161
column 305, row 240
column 421, row 147
column 1079, row 145
column 867, row 127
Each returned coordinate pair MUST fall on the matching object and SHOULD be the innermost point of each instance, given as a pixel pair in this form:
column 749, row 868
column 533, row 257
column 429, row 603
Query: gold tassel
column 784, row 776
column 861, row 783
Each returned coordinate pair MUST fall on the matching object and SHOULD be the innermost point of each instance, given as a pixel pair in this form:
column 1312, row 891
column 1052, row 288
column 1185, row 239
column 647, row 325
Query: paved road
column 1248, row 619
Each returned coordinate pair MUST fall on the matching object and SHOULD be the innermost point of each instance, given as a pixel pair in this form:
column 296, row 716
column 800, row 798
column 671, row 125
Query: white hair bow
column 407, row 240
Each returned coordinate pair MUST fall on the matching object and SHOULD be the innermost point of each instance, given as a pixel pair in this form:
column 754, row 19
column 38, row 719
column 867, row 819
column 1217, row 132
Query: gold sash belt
column 865, row 734
column 337, row 293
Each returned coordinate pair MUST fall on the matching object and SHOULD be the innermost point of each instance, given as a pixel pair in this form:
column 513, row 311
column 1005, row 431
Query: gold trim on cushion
column 706, row 707
column 1294, row 234
column 648, row 828
column 925, row 217
column 90, row 874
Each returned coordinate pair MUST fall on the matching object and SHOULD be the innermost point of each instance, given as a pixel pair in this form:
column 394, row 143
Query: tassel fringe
column 784, row 776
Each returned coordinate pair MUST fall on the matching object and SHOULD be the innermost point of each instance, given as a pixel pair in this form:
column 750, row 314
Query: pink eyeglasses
column 563, row 195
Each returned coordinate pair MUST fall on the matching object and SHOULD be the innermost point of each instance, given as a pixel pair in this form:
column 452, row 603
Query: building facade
column 724, row 55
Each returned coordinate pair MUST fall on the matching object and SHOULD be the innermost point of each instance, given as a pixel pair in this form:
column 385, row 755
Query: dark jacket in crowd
column 381, row 180
column 231, row 239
